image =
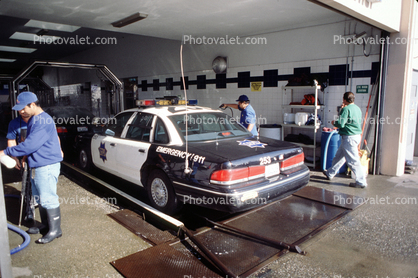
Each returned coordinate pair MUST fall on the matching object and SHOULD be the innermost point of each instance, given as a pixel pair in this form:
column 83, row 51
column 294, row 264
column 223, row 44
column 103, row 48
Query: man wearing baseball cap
column 43, row 152
column 248, row 116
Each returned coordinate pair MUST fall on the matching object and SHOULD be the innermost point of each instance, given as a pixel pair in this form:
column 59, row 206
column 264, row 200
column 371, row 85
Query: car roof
column 172, row 110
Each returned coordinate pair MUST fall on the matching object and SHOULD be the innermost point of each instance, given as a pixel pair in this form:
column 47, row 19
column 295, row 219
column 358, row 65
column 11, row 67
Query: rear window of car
column 69, row 112
column 207, row 126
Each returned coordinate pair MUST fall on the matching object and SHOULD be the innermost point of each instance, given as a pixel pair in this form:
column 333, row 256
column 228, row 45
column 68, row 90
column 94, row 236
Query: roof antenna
column 187, row 169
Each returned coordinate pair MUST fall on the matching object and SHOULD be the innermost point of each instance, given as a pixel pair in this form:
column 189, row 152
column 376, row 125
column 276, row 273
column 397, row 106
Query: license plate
column 272, row 170
column 249, row 195
column 82, row 128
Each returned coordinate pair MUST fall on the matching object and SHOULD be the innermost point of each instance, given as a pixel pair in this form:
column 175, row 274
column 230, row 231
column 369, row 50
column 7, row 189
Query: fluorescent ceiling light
column 129, row 20
column 32, row 37
column 16, row 49
column 51, row 26
column 7, row 60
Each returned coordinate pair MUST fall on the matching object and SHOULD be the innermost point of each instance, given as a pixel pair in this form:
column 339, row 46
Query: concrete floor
column 90, row 240
column 378, row 239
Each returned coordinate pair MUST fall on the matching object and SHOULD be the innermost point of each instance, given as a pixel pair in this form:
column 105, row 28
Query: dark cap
column 24, row 99
column 243, row 98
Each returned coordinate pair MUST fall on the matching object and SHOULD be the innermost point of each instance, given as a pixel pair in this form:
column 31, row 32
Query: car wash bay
column 378, row 238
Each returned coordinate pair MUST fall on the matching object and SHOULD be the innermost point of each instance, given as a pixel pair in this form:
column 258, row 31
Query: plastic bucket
column 273, row 131
column 333, row 145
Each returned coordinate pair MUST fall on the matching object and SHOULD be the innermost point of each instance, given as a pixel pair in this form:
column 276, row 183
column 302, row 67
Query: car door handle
column 112, row 144
column 141, row 150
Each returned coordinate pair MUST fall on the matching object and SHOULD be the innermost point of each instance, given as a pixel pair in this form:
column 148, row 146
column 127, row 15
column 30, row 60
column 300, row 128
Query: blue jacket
column 248, row 117
column 41, row 145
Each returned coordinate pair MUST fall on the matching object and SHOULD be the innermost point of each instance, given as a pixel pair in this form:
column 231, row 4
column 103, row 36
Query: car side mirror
column 110, row 132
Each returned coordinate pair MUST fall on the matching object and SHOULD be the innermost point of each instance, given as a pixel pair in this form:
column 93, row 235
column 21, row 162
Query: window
column 118, row 123
column 140, row 128
column 160, row 134
column 207, row 126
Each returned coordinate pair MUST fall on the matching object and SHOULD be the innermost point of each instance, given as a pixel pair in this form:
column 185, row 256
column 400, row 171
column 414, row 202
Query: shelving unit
column 305, row 108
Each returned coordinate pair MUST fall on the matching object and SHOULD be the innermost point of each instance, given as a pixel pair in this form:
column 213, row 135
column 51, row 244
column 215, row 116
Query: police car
column 189, row 154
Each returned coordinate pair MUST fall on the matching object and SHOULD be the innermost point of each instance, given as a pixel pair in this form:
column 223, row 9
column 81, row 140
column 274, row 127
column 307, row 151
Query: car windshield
column 208, row 126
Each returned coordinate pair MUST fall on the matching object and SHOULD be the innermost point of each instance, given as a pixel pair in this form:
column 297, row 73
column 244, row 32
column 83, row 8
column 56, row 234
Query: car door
column 132, row 151
column 104, row 145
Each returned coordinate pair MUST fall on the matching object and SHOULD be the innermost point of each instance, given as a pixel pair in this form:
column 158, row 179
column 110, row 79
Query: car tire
column 161, row 193
column 84, row 160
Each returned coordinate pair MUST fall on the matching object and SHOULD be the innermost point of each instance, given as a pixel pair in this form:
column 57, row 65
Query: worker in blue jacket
column 43, row 152
column 248, row 116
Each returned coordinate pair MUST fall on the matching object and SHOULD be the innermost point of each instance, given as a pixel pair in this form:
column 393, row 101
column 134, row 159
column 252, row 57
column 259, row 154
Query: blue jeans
column 44, row 185
column 348, row 151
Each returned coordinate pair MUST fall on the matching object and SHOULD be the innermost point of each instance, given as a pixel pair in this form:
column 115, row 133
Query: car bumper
column 246, row 198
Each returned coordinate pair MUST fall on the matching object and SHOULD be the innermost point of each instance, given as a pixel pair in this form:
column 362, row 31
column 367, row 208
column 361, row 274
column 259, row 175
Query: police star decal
column 252, row 144
column 103, row 151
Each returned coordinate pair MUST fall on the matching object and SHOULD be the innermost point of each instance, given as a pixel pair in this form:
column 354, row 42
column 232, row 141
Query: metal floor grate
column 292, row 220
column 162, row 261
column 138, row 226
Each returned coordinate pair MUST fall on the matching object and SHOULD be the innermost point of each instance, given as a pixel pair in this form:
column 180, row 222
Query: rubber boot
column 54, row 224
column 43, row 228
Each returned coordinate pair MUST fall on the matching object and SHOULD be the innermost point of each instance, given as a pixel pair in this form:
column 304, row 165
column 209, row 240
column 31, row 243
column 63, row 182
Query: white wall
column 398, row 90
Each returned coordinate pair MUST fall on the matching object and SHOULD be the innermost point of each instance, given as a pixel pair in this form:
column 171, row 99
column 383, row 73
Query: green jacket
column 349, row 121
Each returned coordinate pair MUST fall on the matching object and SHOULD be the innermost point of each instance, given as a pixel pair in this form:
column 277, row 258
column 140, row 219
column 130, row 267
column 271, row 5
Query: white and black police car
column 196, row 155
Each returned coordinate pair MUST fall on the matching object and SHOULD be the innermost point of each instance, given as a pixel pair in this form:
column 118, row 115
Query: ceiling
column 171, row 19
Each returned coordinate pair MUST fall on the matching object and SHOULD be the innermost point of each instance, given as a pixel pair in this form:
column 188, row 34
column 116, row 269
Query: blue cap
column 24, row 99
column 243, row 98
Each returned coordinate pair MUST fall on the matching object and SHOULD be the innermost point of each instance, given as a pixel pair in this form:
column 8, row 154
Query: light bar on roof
column 51, row 26
column 32, row 37
column 145, row 102
column 165, row 101
column 16, row 49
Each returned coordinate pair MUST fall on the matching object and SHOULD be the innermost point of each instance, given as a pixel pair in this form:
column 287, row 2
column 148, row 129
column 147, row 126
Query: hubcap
column 83, row 159
column 159, row 192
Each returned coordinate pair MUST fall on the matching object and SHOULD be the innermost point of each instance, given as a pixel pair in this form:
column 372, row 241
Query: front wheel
column 84, row 160
column 161, row 193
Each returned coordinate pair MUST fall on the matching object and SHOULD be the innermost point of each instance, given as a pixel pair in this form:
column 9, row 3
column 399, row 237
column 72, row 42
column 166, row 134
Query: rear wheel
column 84, row 160
column 161, row 193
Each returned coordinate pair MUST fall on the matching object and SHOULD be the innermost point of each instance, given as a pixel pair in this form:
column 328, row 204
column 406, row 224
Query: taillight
column 232, row 176
column 292, row 162
column 61, row 129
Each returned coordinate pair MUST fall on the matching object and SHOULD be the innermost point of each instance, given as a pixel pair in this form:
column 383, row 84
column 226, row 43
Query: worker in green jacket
column 349, row 125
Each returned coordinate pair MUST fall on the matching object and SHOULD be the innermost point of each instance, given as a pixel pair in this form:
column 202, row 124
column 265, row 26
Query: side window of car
column 140, row 128
column 117, row 124
column 160, row 133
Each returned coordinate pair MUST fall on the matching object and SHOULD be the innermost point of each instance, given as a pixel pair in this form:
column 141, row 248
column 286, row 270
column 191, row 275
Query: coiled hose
column 19, row 231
